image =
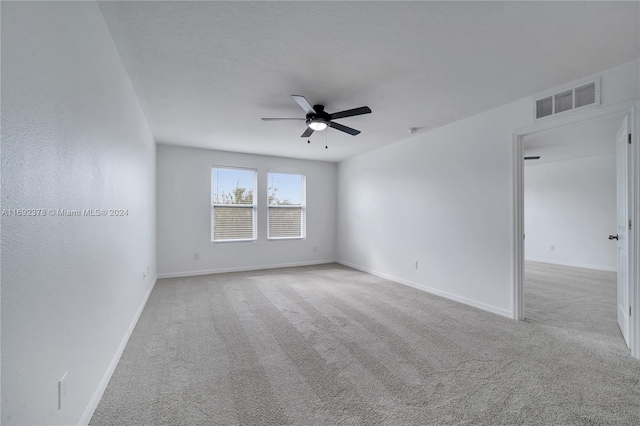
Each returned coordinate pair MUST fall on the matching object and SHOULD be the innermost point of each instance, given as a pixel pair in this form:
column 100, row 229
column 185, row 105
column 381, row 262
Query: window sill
column 286, row 238
column 233, row 241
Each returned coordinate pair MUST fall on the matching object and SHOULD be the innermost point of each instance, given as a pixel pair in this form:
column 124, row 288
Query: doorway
column 629, row 109
column 570, row 269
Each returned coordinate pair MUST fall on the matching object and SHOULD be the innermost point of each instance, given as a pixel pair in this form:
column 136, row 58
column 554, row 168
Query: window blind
column 285, row 222
column 232, row 223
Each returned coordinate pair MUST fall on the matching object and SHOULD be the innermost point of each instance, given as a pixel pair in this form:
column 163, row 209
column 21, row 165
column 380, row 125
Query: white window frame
column 253, row 206
column 302, row 207
column 565, row 88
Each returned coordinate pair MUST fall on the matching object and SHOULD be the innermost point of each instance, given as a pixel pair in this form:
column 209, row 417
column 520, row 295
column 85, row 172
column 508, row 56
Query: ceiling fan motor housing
column 319, row 113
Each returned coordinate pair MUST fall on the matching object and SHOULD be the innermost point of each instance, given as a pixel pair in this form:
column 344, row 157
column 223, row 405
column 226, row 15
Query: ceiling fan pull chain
column 326, row 139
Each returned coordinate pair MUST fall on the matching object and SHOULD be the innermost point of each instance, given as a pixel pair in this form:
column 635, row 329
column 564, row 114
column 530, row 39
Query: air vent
column 565, row 100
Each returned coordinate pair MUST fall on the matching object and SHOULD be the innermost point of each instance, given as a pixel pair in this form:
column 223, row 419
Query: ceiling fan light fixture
column 317, row 124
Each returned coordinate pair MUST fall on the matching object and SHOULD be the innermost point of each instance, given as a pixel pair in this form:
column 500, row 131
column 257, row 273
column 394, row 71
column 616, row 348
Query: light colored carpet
column 577, row 302
column 329, row 345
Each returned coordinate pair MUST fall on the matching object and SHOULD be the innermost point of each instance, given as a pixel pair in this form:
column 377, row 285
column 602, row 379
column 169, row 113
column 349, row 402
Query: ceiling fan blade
column 307, row 133
column 281, row 119
column 345, row 129
column 537, row 157
column 350, row 112
column 304, row 104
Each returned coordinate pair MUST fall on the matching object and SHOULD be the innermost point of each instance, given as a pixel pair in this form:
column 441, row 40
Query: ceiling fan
column 318, row 119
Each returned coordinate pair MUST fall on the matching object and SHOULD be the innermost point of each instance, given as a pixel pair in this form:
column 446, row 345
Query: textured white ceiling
column 206, row 72
column 587, row 139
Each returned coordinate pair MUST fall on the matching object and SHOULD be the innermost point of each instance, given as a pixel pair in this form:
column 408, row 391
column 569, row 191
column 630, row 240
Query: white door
column 622, row 152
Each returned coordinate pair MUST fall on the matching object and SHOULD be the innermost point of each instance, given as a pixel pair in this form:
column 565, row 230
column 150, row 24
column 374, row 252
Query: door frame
column 632, row 108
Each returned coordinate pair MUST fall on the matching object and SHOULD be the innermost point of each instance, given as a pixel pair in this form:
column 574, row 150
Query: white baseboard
column 97, row 395
column 575, row 265
column 425, row 288
column 242, row 269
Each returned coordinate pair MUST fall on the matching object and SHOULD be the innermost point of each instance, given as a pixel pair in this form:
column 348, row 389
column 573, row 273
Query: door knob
column 613, row 237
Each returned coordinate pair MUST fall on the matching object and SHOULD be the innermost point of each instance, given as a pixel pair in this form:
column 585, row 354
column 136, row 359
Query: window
column 544, row 107
column 287, row 205
column 563, row 101
column 233, row 204
column 567, row 100
column 586, row 95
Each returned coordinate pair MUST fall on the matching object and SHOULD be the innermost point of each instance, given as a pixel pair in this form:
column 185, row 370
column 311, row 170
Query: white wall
column 571, row 205
column 184, row 214
column 74, row 137
column 445, row 199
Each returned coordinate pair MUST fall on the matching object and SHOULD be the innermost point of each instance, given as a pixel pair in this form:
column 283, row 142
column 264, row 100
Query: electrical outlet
column 62, row 390
column 196, row 256
column 415, row 264
column 552, row 248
